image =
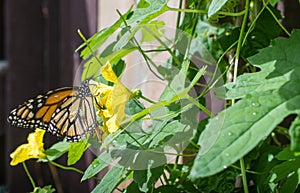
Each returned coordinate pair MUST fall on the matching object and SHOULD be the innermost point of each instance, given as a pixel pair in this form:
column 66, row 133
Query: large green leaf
column 110, row 180
column 268, row 97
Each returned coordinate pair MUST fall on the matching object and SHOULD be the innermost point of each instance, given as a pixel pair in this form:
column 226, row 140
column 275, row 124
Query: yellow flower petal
column 33, row 149
column 120, row 96
column 113, row 124
column 108, row 73
column 110, row 100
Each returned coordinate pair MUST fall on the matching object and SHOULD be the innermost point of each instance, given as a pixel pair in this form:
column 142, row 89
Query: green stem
column 66, row 167
column 252, row 25
column 28, row 174
column 205, row 12
column 248, row 171
column 147, row 59
column 235, row 73
column 70, row 168
column 240, row 40
column 132, row 137
column 278, row 22
column 216, row 80
column 147, row 99
column 187, row 10
column 88, row 45
column 244, row 177
column 178, row 15
column 199, row 105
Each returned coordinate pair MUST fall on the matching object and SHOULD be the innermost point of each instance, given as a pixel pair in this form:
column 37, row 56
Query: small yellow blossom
column 110, row 100
column 33, row 149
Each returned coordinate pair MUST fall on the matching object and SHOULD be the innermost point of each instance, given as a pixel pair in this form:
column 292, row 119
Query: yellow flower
column 33, row 149
column 110, row 100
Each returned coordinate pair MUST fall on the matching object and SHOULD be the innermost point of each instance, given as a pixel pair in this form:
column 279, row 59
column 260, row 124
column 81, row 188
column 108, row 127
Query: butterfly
column 67, row 111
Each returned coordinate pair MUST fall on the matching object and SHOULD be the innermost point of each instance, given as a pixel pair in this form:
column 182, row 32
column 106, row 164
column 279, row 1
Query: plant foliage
column 224, row 53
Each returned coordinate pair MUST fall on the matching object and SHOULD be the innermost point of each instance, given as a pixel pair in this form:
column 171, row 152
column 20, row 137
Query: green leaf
column 290, row 184
column 174, row 129
column 261, row 36
column 57, row 150
column 145, row 14
column 45, row 189
column 263, row 165
column 223, row 182
column 102, row 161
column 279, row 66
column 152, row 31
column 284, row 171
column 92, row 66
column 269, row 96
column 294, row 132
column 142, row 15
column 76, row 151
column 179, row 81
column 215, row 6
column 100, row 37
column 124, row 40
column 167, row 189
column 285, row 154
column 119, row 67
column 273, row 2
column 110, row 180
column 207, row 44
column 134, row 106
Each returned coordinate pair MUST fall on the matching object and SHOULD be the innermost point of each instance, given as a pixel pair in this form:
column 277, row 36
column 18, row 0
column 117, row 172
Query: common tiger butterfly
column 67, row 111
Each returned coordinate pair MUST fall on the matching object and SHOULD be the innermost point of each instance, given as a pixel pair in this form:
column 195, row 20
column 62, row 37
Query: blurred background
column 37, row 53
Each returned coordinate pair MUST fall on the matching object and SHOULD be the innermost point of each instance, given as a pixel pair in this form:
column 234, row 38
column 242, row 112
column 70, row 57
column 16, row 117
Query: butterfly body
column 65, row 111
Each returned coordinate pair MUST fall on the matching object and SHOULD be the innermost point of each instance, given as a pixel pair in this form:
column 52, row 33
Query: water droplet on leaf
column 255, row 104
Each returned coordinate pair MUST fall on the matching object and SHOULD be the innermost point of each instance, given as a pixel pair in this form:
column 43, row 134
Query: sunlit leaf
column 76, row 151
column 152, row 31
column 268, row 96
column 100, row 37
column 144, row 14
column 141, row 16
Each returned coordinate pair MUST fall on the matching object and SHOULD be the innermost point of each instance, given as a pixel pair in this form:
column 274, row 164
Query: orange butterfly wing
column 65, row 111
